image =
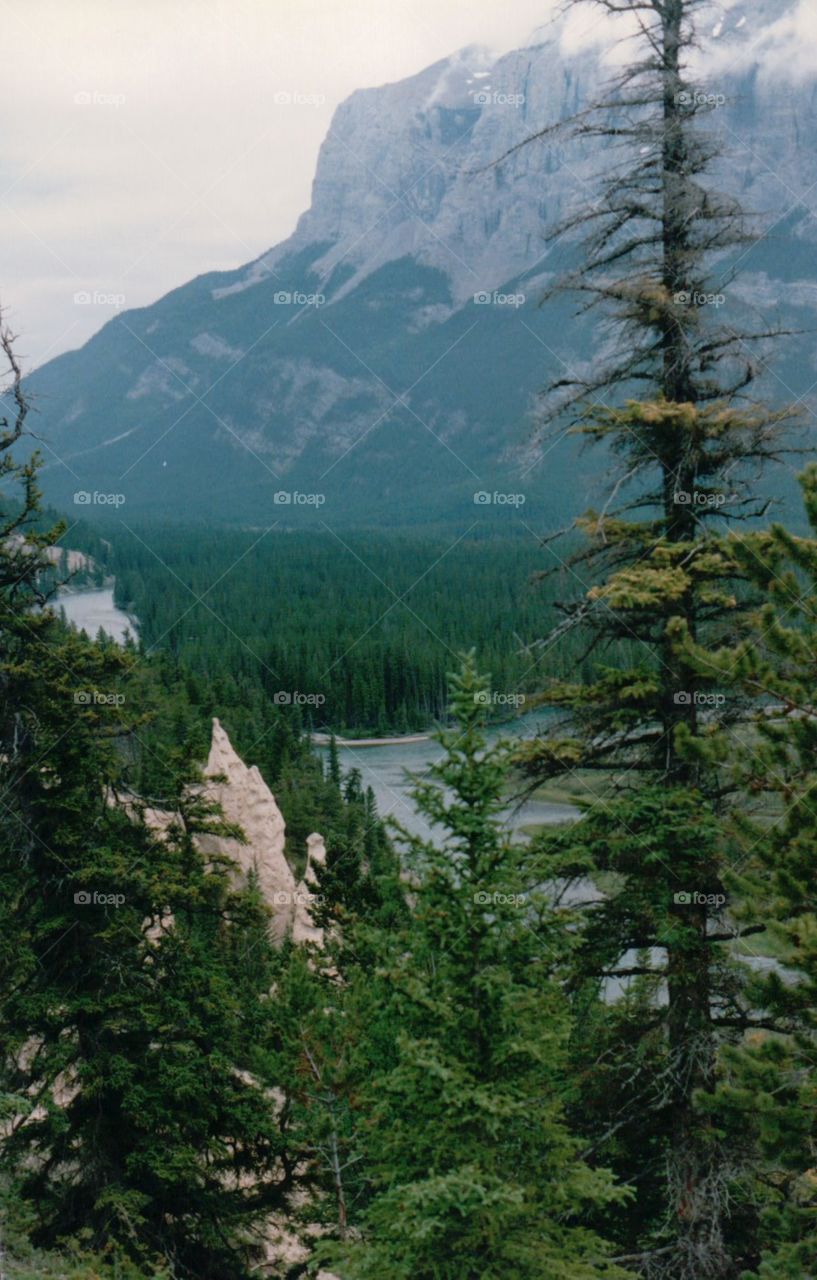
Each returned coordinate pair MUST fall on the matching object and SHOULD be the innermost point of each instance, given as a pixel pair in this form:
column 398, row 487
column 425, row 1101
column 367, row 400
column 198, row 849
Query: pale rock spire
column 247, row 801
column 304, row 928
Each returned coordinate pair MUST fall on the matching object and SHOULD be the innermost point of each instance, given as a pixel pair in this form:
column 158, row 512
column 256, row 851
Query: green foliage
column 20, row 1260
column 768, row 1085
column 470, row 1168
column 129, row 1015
column 122, row 970
column 656, row 566
column 368, row 625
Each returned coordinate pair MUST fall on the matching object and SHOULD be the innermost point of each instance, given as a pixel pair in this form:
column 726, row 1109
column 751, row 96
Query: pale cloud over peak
column 158, row 139
column 155, row 140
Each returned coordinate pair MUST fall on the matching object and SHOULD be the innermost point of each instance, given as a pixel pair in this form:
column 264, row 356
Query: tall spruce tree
column 470, row 1169
column 768, row 1088
column 673, row 404
column 125, row 1009
column 322, row 1023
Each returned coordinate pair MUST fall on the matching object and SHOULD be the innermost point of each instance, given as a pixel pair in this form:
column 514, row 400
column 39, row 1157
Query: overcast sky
column 143, row 144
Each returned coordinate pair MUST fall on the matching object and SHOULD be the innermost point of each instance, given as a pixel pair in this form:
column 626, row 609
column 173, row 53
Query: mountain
column 382, row 364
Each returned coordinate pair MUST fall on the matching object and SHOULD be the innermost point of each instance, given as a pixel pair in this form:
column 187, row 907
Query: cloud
column 783, row 49
column 148, row 145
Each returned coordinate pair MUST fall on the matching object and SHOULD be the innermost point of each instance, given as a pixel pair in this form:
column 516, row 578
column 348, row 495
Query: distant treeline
column 361, row 632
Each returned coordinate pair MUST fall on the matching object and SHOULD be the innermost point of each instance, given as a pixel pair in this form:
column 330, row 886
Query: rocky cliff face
column 408, row 171
column 246, row 801
column 381, row 364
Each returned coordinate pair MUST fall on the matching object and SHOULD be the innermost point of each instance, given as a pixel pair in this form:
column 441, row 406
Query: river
column 383, row 768
column 90, row 610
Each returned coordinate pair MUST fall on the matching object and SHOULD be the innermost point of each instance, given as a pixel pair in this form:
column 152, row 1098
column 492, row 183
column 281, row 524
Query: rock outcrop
column 246, row 801
column 304, row 928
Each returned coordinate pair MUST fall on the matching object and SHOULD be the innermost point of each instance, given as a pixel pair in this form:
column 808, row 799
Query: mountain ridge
column 382, row 364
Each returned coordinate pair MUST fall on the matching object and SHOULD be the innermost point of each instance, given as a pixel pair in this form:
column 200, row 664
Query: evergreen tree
column 123, row 1023
column 471, row 1170
column 689, row 448
column 333, row 764
column 768, row 1088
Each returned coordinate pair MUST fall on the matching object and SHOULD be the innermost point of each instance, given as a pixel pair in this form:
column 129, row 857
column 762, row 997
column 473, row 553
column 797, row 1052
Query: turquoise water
column 384, row 770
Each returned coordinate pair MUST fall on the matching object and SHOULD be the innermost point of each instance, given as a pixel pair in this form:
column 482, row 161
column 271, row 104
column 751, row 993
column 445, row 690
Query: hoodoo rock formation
column 246, row 801
column 303, row 926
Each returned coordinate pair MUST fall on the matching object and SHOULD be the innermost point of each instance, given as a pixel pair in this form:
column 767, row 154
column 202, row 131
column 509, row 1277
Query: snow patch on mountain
column 209, row 344
column 416, row 169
